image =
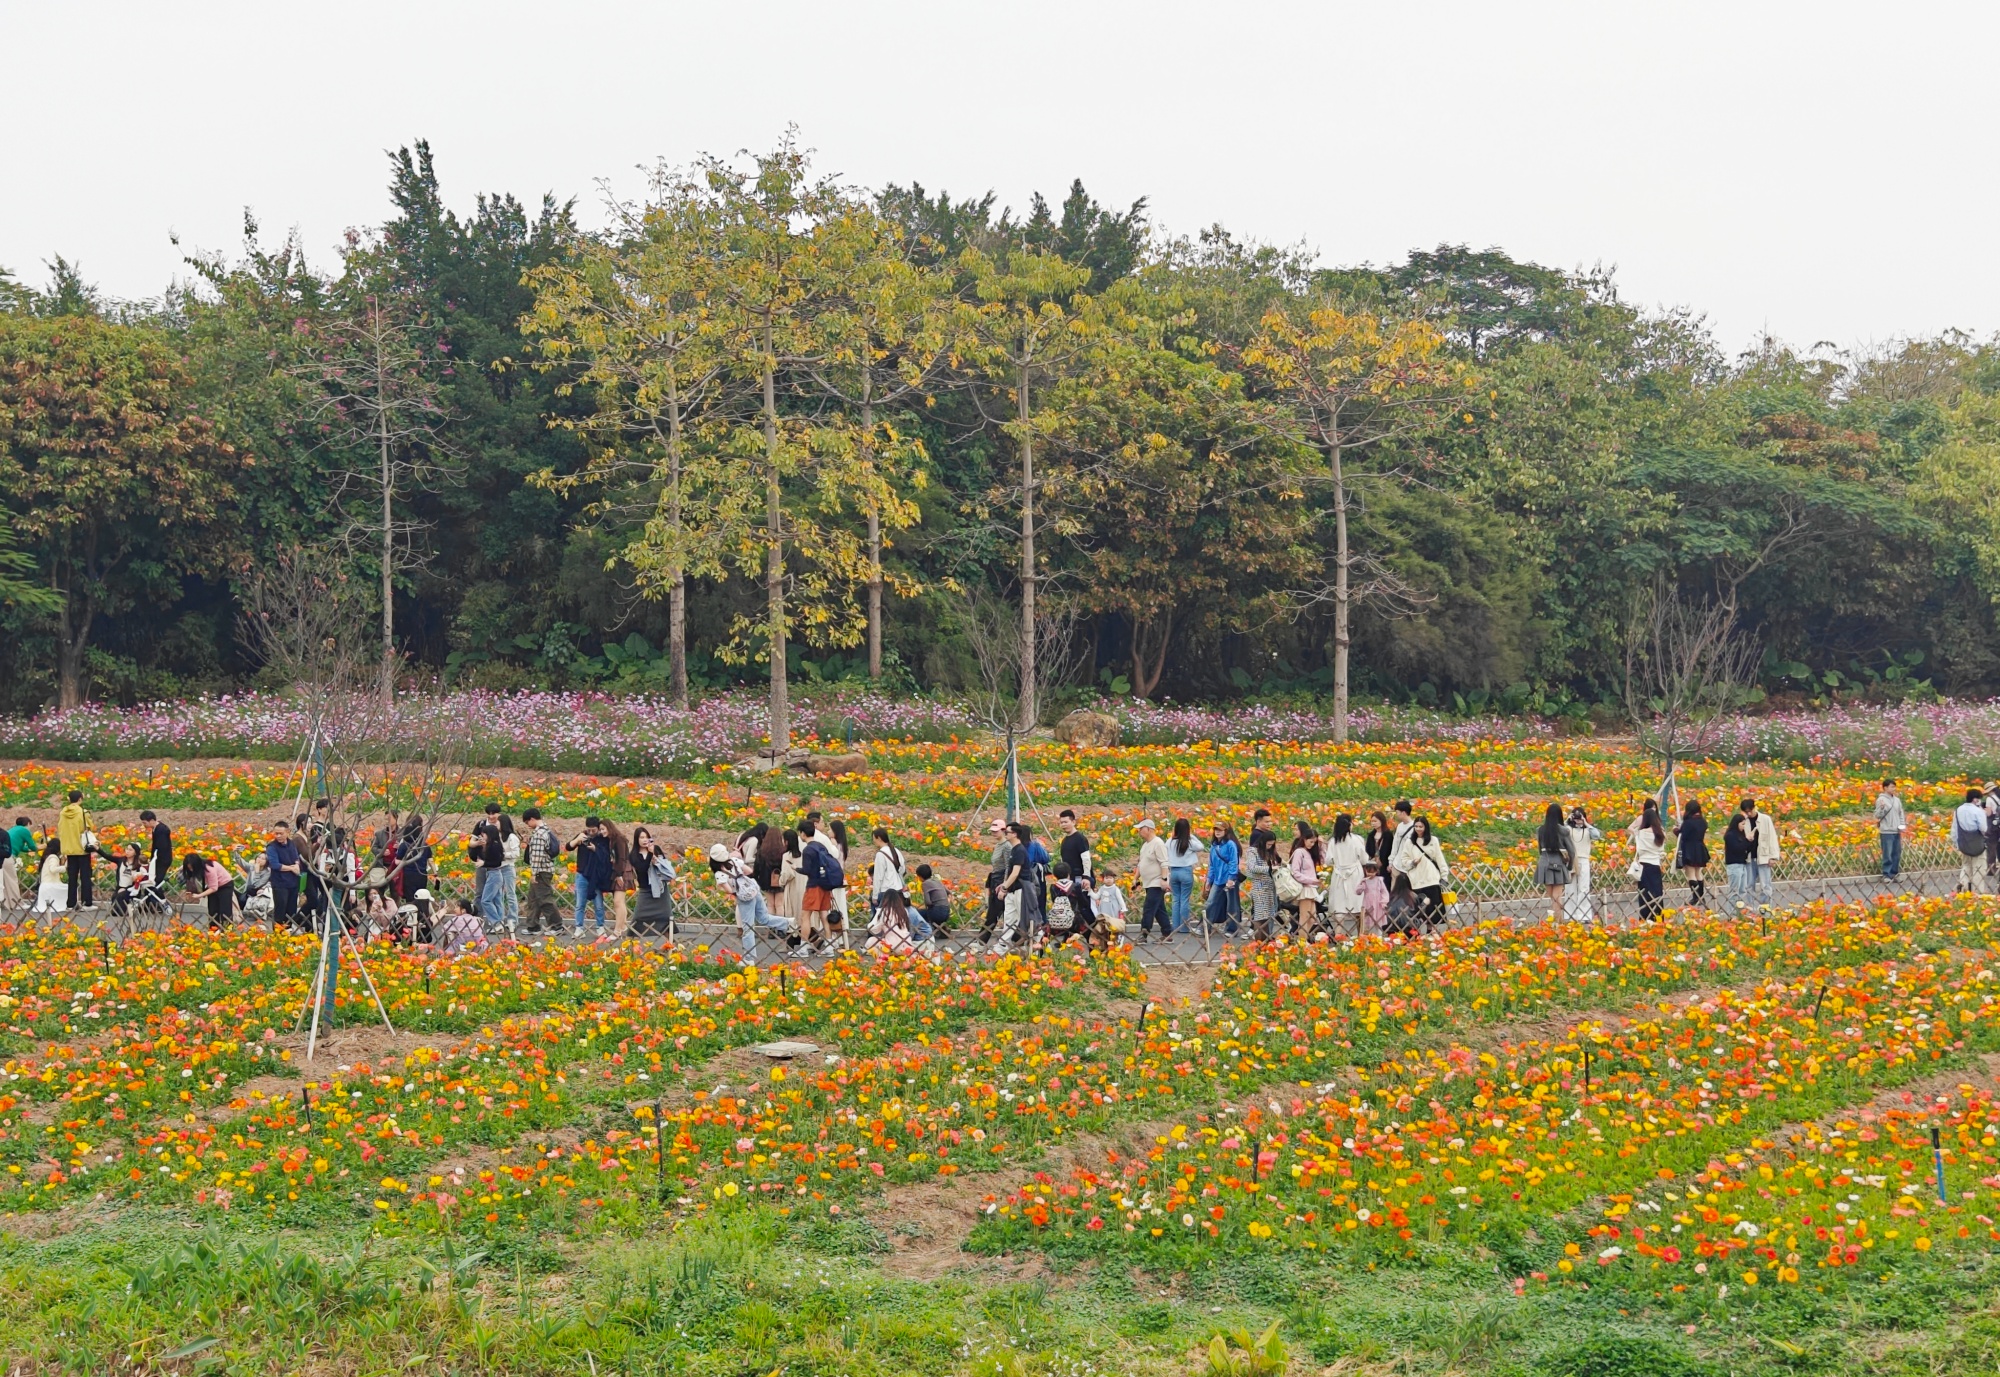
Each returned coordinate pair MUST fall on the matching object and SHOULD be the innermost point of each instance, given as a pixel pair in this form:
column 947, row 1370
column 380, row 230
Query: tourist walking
column 838, row 847
column 1223, row 904
column 1420, row 856
column 1152, row 869
column 1074, row 847
column 1346, row 861
column 78, row 840
column 1555, row 857
column 823, row 876
column 1183, row 854
column 543, row 848
column 1578, row 906
column 1691, row 851
column 1649, row 856
column 1969, row 828
column 1890, row 823
column 1764, row 831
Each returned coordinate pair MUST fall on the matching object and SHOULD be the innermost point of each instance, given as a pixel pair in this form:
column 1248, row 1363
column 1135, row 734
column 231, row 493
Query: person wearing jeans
column 593, row 872
column 1224, row 908
column 1183, row 852
column 753, row 915
column 1890, row 822
column 1763, row 833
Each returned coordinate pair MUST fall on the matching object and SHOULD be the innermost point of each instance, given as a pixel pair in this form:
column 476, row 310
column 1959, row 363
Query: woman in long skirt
column 1346, row 854
column 1260, row 863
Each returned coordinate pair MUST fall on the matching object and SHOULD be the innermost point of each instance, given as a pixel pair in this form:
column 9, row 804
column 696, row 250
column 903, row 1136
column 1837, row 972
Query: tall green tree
column 120, row 486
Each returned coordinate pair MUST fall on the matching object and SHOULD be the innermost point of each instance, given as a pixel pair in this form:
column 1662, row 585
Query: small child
column 1374, row 898
column 1107, row 904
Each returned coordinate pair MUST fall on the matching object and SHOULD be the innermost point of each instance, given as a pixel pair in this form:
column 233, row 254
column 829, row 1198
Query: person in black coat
column 1739, row 853
column 1691, row 855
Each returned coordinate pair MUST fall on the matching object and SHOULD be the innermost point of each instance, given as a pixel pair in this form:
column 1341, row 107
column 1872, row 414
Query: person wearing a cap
column 753, row 914
column 996, row 871
column 1152, row 877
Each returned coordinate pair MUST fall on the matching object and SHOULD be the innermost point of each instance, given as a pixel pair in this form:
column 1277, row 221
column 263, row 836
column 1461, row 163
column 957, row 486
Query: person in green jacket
column 21, row 843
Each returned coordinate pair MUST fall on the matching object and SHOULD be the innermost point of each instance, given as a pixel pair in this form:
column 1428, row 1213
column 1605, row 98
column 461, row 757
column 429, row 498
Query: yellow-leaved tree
column 1346, row 381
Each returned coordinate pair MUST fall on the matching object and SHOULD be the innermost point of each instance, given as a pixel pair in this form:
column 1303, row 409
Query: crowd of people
column 801, row 887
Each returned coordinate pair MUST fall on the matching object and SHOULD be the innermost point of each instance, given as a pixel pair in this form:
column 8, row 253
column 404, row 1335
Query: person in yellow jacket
column 76, row 838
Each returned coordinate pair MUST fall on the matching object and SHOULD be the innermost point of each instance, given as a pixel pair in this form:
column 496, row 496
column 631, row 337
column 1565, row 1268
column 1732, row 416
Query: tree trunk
column 1341, row 560
column 1030, row 707
column 1150, row 640
column 774, row 556
column 388, row 687
column 676, row 572
column 874, row 533
column 72, row 640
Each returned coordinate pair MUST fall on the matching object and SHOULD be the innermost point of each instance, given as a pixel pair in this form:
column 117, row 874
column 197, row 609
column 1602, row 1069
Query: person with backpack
column 1969, row 828
column 543, row 848
column 22, row 852
column 824, row 877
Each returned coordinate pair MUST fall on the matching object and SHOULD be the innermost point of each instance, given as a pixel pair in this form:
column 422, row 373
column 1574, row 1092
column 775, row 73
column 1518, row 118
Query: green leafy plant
column 1236, row 1354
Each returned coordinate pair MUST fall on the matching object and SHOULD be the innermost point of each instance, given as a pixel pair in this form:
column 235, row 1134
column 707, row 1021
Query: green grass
column 750, row 1294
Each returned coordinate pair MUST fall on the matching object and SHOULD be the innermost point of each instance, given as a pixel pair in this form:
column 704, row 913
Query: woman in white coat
column 1346, row 854
column 1577, row 904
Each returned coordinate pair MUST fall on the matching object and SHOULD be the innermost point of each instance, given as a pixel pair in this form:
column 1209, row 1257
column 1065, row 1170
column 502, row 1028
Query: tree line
column 763, row 426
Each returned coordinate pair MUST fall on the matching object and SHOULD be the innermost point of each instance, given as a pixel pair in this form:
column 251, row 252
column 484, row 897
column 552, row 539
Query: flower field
column 1712, row 1133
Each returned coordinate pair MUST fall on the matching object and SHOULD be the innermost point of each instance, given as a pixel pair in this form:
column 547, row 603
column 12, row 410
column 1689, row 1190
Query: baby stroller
column 253, row 896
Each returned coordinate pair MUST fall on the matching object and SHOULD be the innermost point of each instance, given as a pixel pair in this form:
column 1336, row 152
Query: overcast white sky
column 1823, row 171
